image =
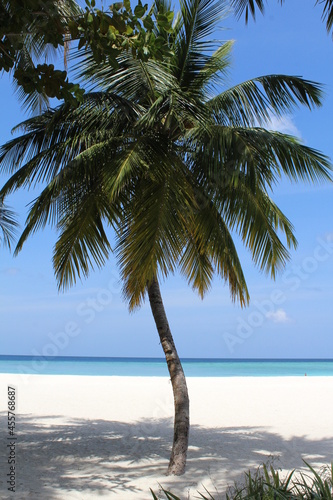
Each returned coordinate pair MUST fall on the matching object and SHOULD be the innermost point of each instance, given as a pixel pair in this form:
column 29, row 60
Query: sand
column 81, row 437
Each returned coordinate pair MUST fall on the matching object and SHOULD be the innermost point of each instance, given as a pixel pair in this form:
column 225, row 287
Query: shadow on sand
column 101, row 459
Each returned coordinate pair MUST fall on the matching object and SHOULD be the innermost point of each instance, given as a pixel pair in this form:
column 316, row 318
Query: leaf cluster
column 28, row 27
column 108, row 33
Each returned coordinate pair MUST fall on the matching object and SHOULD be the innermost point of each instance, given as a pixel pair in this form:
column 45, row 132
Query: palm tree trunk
column 181, row 400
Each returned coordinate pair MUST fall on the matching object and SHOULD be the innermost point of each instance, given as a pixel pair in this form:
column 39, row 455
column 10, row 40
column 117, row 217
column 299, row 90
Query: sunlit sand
column 85, row 437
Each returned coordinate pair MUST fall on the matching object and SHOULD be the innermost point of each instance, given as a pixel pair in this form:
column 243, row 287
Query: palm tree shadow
column 57, row 458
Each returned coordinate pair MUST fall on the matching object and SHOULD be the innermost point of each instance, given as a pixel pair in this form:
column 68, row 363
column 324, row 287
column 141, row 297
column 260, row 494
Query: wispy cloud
column 279, row 316
column 10, row 271
column 283, row 124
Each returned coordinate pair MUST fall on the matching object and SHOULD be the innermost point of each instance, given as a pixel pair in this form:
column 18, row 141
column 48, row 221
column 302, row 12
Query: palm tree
column 8, row 225
column 249, row 7
column 173, row 167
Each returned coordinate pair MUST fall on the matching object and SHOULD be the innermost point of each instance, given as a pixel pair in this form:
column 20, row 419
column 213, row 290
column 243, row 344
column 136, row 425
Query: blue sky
column 289, row 318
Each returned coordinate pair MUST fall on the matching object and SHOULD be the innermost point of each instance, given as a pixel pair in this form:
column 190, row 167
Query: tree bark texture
column 180, row 393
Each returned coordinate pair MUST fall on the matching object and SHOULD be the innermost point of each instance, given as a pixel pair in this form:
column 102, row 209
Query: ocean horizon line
column 153, row 359
column 150, row 367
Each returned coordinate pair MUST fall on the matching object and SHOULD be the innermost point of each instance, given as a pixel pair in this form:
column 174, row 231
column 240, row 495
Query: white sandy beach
column 83, row 437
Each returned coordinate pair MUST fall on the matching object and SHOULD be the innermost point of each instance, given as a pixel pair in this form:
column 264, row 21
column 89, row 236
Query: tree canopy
column 156, row 154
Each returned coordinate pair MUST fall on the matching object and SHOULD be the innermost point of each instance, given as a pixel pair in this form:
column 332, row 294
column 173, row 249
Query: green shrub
column 266, row 484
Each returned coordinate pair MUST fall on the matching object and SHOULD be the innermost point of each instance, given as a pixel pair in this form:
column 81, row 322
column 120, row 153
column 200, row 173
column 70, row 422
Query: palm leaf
column 254, row 101
column 133, row 80
column 151, row 236
column 57, row 136
column 210, row 248
column 216, row 66
column 79, row 179
column 199, row 19
column 249, row 6
column 8, row 225
column 227, row 150
column 81, row 245
column 327, row 13
column 256, row 218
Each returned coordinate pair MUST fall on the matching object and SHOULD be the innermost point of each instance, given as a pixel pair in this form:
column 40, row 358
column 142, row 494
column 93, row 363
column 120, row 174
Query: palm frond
column 257, row 219
column 287, row 156
column 81, row 245
column 129, row 163
column 76, row 206
column 249, row 6
column 44, row 210
column 215, row 67
column 8, row 225
column 253, row 102
column 210, row 248
column 133, row 80
column 199, row 20
column 151, row 236
column 79, row 181
column 226, row 152
column 327, row 13
column 146, row 245
column 57, row 136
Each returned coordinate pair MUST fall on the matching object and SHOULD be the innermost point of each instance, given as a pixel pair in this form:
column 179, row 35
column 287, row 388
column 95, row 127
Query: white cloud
column 279, row 316
column 284, row 125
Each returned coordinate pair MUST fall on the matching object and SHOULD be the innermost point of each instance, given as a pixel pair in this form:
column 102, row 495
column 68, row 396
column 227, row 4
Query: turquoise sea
column 156, row 367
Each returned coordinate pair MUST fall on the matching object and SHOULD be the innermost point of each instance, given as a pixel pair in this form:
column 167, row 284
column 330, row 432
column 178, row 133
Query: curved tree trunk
column 181, row 400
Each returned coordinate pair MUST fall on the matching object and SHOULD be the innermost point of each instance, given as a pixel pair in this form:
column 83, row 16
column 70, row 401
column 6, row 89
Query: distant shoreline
column 153, row 359
column 150, row 367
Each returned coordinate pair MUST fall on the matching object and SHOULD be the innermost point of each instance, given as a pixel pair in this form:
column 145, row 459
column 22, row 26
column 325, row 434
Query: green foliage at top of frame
column 28, row 27
column 266, row 483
